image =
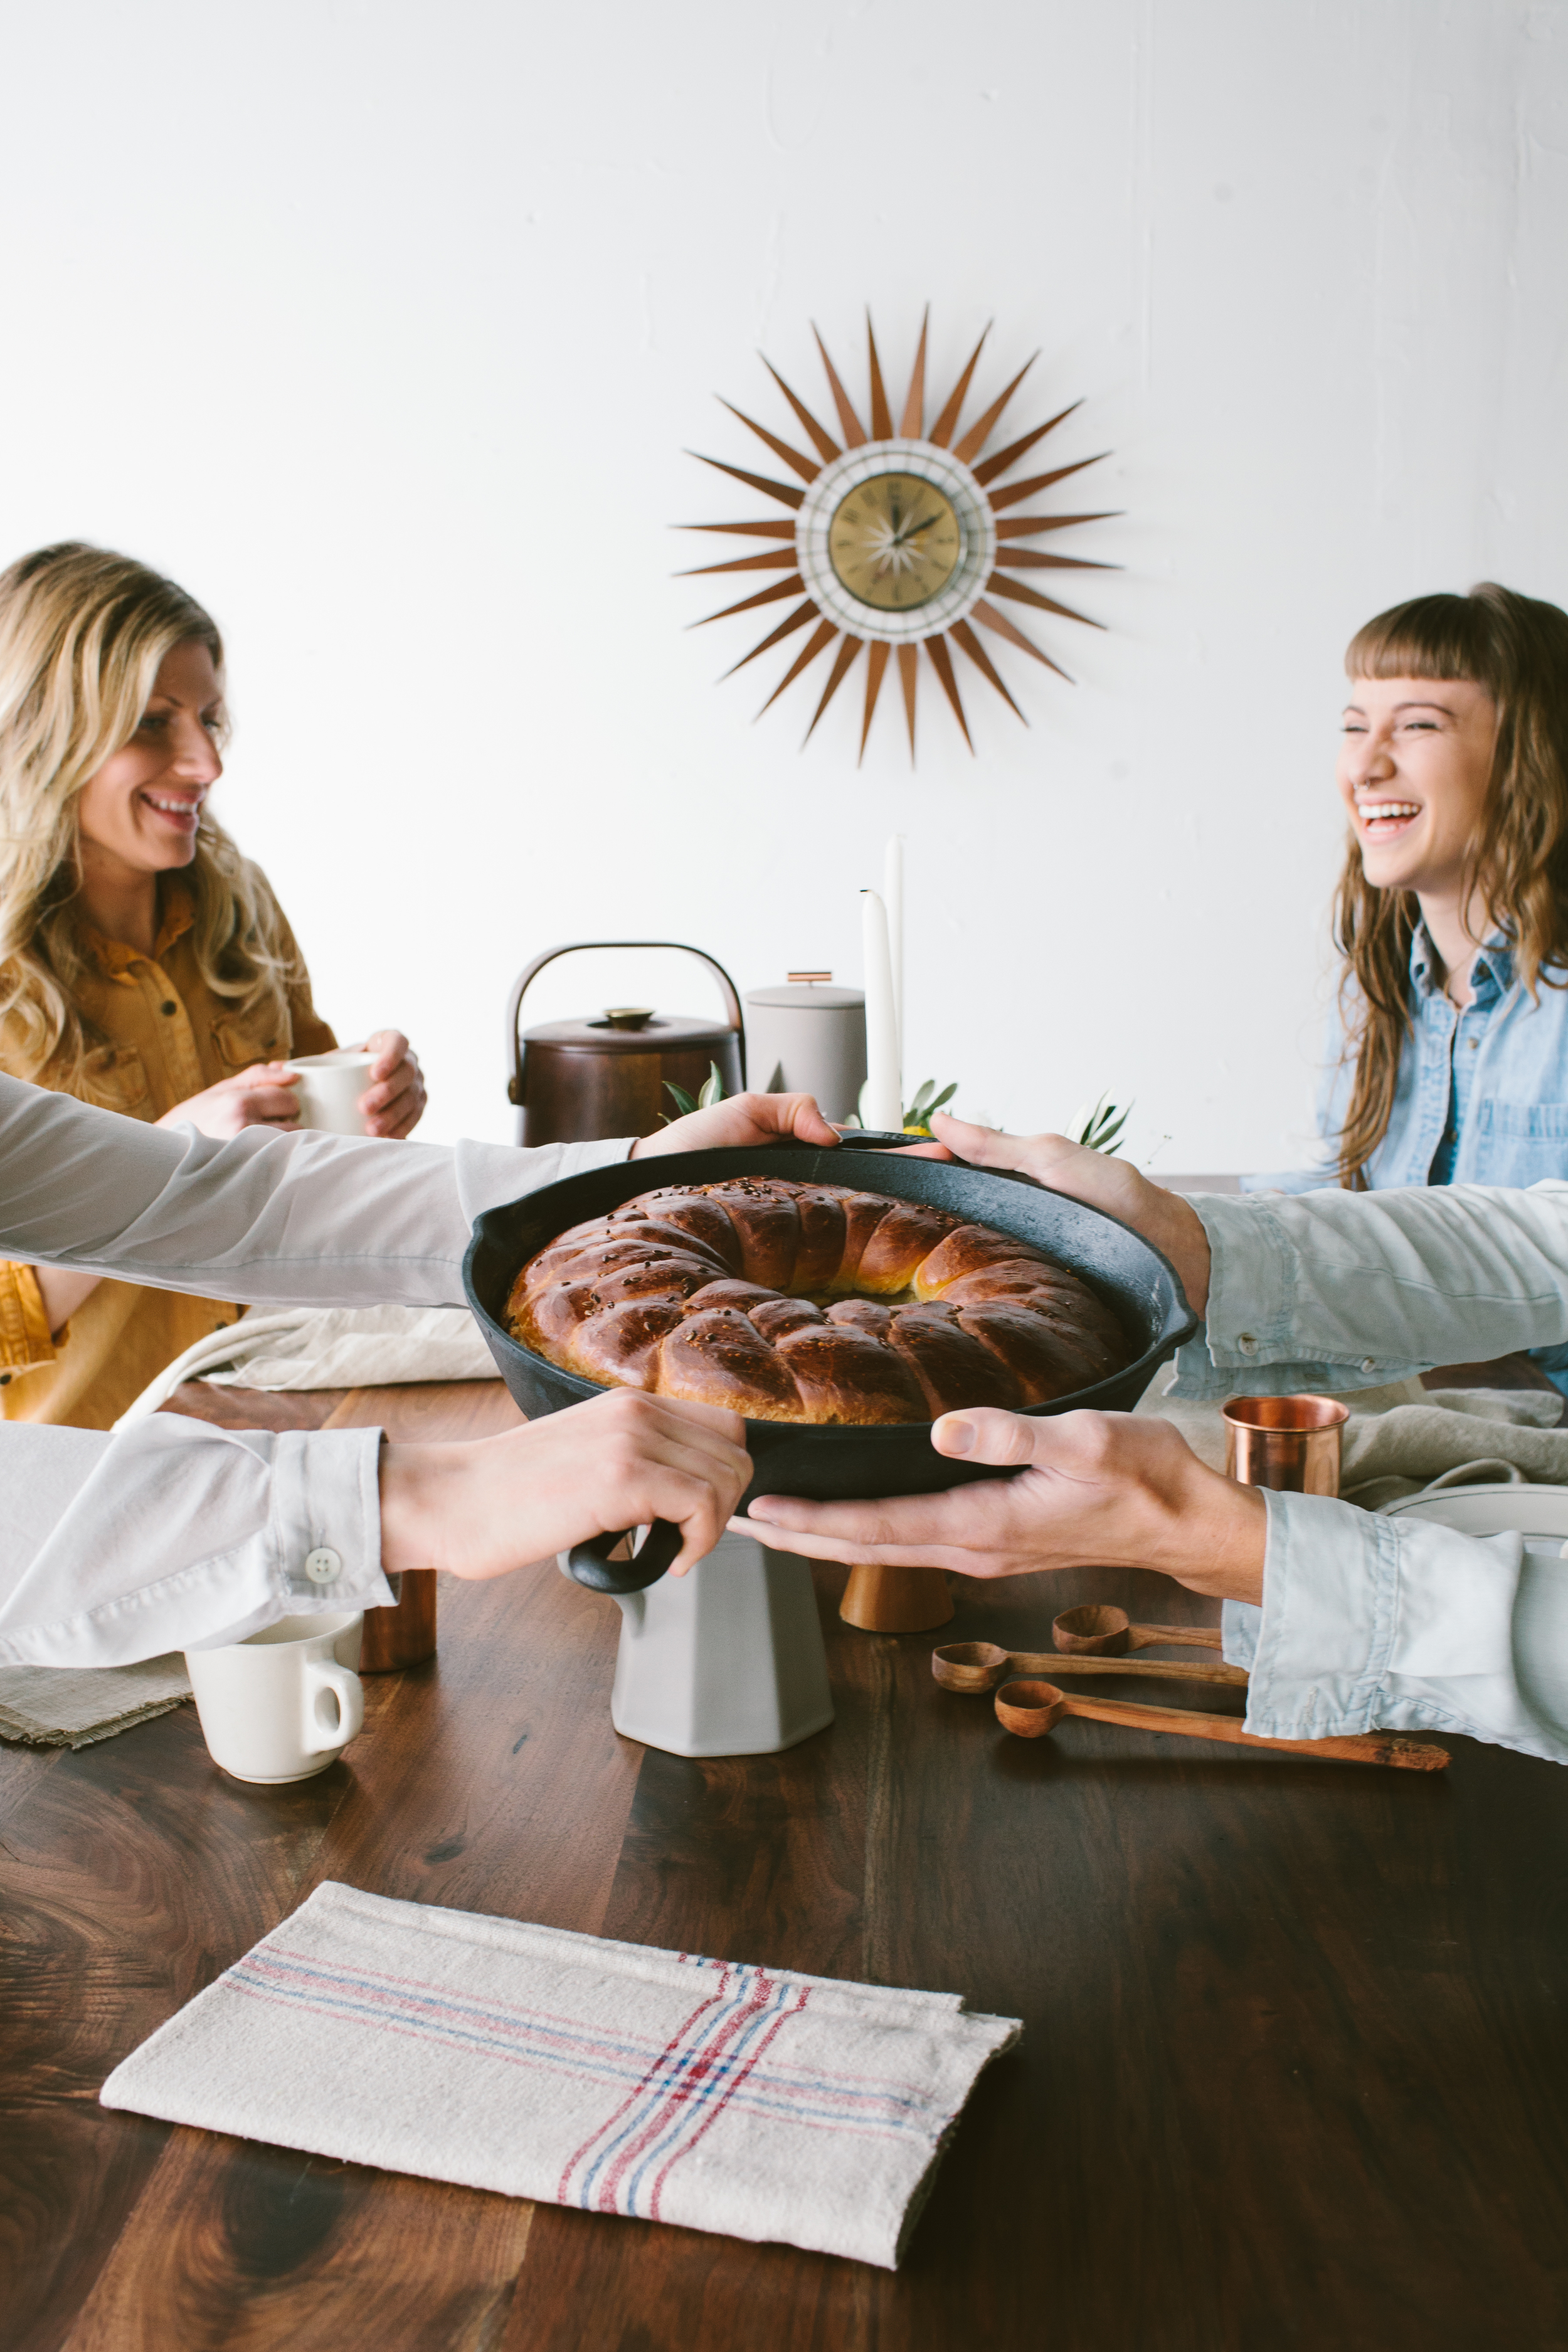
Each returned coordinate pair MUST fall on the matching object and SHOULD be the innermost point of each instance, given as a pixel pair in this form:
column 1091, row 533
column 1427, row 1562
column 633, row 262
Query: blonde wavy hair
column 1516, row 648
column 82, row 634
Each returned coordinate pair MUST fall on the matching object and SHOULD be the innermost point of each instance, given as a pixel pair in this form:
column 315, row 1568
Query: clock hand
column 902, row 538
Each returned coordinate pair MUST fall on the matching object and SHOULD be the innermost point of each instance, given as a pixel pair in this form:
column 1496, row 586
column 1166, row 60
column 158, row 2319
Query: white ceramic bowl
column 1537, row 1513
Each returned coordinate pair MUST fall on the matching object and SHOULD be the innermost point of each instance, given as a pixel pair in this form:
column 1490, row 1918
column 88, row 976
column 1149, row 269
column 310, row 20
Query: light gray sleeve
column 276, row 1220
column 171, row 1535
column 1345, row 1290
column 1373, row 1624
column 176, row 1536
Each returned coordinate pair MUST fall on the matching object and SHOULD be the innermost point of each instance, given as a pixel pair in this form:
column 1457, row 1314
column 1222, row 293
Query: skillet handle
column 591, row 1564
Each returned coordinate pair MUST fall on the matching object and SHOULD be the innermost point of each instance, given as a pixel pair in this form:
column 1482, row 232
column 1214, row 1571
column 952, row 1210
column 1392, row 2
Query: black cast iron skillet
column 826, row 1464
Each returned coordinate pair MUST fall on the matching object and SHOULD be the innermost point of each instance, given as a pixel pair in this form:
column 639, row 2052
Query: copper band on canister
column 1289, row 1443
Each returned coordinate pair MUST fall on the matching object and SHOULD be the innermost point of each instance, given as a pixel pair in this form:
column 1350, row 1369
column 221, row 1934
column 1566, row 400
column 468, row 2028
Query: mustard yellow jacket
column 168, row 1037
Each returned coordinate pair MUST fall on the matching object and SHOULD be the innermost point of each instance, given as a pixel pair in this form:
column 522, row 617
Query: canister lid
column 807, row 997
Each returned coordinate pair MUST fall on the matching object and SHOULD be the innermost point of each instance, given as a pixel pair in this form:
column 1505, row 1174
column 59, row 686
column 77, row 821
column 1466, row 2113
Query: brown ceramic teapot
column 576, row 1081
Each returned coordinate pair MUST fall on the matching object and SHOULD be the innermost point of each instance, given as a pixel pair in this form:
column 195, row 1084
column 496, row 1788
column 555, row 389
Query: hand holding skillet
column 493, row 1504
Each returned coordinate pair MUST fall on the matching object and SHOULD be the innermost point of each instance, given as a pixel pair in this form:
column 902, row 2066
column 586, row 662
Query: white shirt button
column 1247, row 1343
column 323, row 1566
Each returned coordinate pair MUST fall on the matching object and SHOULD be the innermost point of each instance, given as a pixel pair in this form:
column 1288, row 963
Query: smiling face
column 1415, row 764
column 138, row 816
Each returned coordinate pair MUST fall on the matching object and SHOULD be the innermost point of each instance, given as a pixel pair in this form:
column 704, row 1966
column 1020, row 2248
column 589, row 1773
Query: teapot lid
column 612, row 1032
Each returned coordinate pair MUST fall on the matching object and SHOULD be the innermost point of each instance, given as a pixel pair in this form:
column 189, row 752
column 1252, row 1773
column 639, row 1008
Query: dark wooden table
column 1293, row 2075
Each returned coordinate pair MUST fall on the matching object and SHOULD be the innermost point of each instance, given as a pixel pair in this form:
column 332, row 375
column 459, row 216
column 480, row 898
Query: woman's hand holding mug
column 267, row 1094
column 393, row 1101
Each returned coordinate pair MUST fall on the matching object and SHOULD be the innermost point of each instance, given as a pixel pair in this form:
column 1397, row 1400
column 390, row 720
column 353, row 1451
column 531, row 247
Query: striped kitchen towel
column 565, row 2068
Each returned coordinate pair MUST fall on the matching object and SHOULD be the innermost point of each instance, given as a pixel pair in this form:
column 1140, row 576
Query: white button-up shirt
column 1394, row 1623
column 171, row 1535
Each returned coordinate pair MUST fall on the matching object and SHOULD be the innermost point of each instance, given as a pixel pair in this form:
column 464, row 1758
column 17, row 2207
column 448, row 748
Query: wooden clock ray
column 897, row 538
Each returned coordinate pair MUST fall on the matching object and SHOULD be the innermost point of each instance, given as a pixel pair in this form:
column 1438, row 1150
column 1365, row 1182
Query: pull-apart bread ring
column 812, row 1302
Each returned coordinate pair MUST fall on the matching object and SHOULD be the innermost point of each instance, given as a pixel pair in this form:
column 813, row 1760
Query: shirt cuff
column 1374, row 1624
column 322, row 1545
column 25, row 1338
column 324, row 1533
column 1251, row 1343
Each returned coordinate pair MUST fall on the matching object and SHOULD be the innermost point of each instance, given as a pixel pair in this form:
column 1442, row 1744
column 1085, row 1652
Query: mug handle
column 349, row 1691
column 591, row 1564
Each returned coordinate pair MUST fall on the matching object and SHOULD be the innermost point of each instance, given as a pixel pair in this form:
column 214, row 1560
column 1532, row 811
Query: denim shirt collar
column 1491, row 975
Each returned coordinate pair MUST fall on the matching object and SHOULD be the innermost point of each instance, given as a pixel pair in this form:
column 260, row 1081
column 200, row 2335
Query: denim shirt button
column 1247, row 1343
column 1369, row 1363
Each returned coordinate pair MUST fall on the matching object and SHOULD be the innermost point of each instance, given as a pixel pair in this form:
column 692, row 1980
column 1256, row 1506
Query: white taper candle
column 883, row 1097
column 893, row 892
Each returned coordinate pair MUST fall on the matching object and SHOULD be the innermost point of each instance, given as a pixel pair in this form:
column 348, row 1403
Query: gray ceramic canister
column 809, row 1039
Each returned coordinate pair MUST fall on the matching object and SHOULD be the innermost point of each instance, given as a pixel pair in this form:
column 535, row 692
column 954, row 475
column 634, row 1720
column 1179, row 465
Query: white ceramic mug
column 330, row 1087
column 285, row 1704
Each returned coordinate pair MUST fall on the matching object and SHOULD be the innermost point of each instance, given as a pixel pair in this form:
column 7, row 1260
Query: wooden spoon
column 1102, row 1633
column 1032, row 1708
column 981, row 1665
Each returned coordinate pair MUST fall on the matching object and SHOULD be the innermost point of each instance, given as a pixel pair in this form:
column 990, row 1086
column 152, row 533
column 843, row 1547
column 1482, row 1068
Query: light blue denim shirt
column 1482, row 1095
column 1390, row 1622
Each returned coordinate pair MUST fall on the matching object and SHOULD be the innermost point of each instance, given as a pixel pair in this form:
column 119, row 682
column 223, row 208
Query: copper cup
column 1289, row 1443
column 403, row 1635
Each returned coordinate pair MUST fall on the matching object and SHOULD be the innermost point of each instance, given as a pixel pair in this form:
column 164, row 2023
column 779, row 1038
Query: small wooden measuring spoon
column 981, row 1665
column 1103, row 1632
column 1033, row 1708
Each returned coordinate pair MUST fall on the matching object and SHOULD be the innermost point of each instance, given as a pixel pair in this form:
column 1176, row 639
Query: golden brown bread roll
column 812, row 1302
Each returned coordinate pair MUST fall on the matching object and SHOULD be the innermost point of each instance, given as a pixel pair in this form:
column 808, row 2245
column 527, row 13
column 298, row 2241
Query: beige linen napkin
column 70, row 1706
column 610, row 2076
column 328, row 1348
column 1403, row 1438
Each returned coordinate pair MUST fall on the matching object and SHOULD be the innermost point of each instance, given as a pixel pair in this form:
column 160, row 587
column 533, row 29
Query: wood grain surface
column 1293, row 2073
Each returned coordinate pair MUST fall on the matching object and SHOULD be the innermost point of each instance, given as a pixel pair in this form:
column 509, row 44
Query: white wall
column 382, row 328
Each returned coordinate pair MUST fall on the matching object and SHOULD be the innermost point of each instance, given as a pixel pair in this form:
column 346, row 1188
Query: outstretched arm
column 1365, row 1624
column 1331, row 1289
column 176, row 1536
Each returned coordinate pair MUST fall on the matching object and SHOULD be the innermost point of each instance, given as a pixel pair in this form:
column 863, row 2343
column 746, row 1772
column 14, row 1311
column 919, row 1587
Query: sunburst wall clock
column 899, row 540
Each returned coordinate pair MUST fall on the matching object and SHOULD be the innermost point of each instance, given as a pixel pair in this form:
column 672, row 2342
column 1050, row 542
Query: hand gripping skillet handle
column 591, row 1563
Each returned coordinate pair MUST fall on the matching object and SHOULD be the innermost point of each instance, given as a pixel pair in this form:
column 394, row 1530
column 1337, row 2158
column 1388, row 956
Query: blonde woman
column 144, row 964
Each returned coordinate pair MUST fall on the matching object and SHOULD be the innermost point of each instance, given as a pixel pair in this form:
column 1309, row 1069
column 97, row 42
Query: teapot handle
column 514, row 1050
column 591, row 1564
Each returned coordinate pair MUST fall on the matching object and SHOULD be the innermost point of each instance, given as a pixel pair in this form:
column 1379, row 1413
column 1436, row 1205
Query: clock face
column 894, row 541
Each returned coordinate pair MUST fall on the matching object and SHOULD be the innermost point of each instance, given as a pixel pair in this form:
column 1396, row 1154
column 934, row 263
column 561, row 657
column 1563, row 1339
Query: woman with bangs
column 1448, row 1051
column 144, row 964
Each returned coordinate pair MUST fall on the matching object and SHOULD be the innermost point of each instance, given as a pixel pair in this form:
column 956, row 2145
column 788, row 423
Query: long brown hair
column 1516, row 649
column 82, row 634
